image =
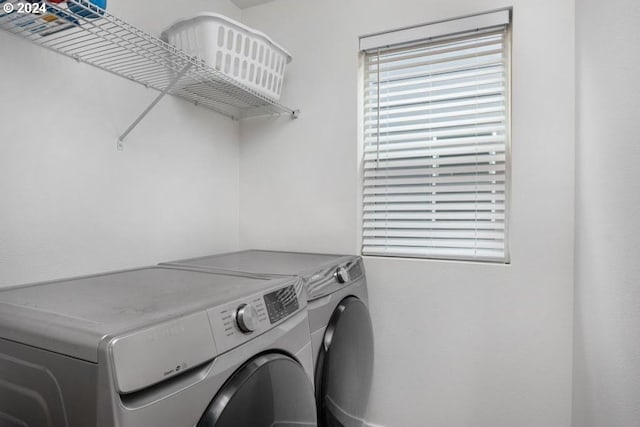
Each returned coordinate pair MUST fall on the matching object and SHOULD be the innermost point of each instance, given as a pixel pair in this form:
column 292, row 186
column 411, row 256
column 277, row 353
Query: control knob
column 341, row 275
column 246, row 318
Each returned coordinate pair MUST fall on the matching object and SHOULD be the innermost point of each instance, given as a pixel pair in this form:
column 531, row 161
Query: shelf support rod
column 153, row 104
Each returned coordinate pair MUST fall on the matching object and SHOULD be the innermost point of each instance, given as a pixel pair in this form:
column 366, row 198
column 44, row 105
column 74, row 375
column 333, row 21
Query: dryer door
column 269, row 390
column 345, row 366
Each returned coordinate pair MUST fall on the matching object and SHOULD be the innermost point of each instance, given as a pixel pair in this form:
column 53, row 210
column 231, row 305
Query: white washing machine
column 156, row 347
column 339, row 320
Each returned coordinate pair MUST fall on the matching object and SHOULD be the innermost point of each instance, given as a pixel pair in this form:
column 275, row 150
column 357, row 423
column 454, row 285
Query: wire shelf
column 88, row 34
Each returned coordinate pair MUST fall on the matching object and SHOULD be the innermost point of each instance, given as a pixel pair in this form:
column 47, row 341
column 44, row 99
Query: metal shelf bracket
column 120, row 143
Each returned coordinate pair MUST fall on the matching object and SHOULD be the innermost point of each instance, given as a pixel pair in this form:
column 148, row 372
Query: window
column 436, row 140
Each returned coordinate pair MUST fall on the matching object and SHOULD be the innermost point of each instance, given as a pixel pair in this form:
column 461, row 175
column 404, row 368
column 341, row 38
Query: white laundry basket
column 242, row 53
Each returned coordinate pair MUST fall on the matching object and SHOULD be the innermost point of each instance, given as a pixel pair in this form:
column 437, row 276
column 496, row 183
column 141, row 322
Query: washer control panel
column 341, row 274
column 238, row 321
column 331, row 278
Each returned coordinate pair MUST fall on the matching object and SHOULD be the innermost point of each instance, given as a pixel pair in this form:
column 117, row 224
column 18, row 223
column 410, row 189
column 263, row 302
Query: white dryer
column 156, row 347
column 339, row 320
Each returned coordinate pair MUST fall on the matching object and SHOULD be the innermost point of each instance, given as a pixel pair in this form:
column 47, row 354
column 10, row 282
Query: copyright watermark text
column 38, row 8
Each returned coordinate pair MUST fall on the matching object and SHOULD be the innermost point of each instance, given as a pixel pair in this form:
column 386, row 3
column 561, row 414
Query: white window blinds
column 436, row 138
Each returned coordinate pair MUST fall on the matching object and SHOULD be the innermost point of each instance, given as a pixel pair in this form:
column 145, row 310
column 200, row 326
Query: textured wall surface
column 607, row 296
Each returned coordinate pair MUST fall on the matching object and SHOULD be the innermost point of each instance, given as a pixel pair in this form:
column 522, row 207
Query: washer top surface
column 261, row 262
column 72, row 316
column 318, row 271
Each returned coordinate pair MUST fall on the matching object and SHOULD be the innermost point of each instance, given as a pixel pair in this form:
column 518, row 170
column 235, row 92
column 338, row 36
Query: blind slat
column 386, row 86
column 484, row 57
column 435, row 234
column 437, row 253
column 442, row 151
column 443, row 46
column 429, row 216
column 383, row 103
column 423, row 121
column 398, row 183
column 407, row 74
column 442, row 243
column 443, row 189
column 389, row 225
column 435, row 162
column 402, row 112
column 469, row 131
column 399, row 163
column 437, row 197
column 435, row 143
column 460, row 125
column 461, row 206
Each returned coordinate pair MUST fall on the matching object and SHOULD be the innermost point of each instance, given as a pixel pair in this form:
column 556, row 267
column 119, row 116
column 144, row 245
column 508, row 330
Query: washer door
column 345, row 366
column 269, row 390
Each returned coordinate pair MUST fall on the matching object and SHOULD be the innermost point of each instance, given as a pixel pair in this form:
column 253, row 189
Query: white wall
column 70, row 203
column 457, row 344
column 607, row 310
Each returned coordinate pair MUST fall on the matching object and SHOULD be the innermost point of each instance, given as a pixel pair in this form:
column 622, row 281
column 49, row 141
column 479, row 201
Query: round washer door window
column 269, row 390
column 345, row 366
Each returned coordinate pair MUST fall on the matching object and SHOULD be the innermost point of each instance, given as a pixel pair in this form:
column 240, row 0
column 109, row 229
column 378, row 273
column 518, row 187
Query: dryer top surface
column 72, row 316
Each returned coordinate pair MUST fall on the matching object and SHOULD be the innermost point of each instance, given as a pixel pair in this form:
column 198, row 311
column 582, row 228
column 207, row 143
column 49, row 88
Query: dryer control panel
column 240, row 312
column 281, row 303
column 238, row 321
